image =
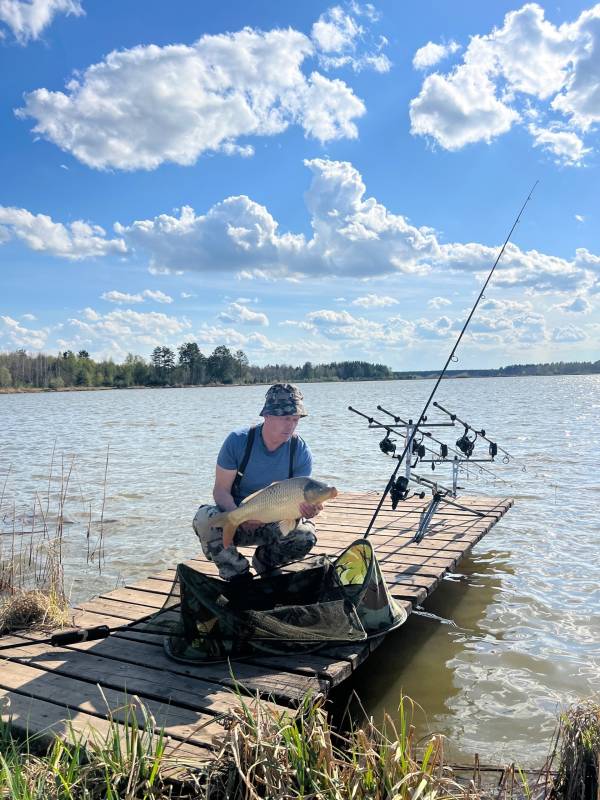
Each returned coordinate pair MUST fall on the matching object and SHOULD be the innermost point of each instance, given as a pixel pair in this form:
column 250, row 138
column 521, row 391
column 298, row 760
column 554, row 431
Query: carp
column 279, row 502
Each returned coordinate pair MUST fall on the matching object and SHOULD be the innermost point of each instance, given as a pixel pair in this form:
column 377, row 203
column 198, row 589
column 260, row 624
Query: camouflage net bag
column 318, row 601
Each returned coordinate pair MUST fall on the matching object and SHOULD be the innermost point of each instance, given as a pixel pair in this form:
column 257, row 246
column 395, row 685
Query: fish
column 279, row 502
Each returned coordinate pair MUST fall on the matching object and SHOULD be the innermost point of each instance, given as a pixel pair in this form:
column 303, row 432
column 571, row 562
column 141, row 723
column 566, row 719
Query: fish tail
column 223, row 520
column 229, row 529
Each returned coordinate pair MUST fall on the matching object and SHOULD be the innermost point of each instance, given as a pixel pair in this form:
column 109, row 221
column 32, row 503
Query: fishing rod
column 450, row 358
column 72, row 636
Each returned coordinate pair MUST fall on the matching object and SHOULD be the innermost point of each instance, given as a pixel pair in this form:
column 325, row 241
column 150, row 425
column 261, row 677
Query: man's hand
column 309, row 511
column 251, row 525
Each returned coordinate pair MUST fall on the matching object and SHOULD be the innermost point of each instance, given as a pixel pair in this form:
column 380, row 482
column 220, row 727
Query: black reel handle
column 80, row 635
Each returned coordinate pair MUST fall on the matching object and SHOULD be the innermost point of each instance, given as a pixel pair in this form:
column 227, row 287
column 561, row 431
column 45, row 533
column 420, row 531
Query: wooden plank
column 144, row 681
column 78, row 695
column 44, row 719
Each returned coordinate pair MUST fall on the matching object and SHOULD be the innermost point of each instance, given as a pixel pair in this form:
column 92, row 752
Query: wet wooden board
column 84, row 686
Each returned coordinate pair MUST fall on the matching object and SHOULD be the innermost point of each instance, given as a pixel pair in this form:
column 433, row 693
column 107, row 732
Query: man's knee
column 301, row 540
column 210, row 538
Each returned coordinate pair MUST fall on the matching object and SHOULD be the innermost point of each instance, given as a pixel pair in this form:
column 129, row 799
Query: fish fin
column 229, row 530
column 251, row 496
column 287, row 525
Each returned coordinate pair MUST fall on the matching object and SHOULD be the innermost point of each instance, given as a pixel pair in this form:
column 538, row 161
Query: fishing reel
column 466, row 445
column 387, row 445
column 418, row 448
column 399, row 491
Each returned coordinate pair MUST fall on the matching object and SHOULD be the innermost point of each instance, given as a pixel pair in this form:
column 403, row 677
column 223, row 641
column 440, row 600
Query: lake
column 511, row 640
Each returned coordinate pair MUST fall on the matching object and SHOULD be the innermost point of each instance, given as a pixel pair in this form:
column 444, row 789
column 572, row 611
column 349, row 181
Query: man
column 251, row 459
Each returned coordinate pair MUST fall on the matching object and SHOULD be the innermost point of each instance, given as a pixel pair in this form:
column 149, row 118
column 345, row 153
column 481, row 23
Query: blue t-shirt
column 264, row 466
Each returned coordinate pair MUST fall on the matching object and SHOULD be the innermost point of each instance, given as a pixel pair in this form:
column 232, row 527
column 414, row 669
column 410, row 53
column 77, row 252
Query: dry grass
column 579, row 765
column 33, row 609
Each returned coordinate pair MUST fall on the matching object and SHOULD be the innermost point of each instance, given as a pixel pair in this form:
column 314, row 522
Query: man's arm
column 222, row 494
column 222, row 489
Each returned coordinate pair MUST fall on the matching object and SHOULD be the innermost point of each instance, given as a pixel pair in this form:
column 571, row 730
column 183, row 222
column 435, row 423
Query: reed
column 579, row 760
column 280, row 757
column 32, row 583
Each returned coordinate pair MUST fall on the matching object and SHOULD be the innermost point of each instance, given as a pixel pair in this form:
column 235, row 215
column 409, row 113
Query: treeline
column 552, row 368
column 187, row 366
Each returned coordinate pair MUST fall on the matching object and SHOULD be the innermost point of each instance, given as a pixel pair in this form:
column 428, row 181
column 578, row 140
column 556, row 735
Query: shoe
column 263, row 569
column 241, row 580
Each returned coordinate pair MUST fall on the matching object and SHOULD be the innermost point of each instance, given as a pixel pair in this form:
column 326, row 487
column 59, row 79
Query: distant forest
column 190, row 367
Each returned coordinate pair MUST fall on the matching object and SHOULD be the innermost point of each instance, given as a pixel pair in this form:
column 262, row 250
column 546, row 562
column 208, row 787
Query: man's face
column 281, row 428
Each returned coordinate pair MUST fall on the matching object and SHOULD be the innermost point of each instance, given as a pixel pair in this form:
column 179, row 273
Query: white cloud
column 158, row 296
column 115, row 296
column 565, row 145
column 230, row 149
column 124, row 330
column 579, row 218
column 75, row 241
column 187, row 295
column 122, row 297
column 342, row 41
column 527, row 69
column 374, row 301
column 569, row 334
column 438, row 302
column 212, row 335
column 432, row 53
column 335, row 31
column 143, row 106
column 352, row 236
column 579, row 305
column 236, row 312
column 460, row 109
column 28, row 18
column 29, row 317
column 19, row 336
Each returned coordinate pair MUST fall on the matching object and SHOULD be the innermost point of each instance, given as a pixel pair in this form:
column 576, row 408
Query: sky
column 302, row 181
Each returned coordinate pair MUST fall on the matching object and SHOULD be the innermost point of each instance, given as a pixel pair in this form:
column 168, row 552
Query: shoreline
column 433, row 376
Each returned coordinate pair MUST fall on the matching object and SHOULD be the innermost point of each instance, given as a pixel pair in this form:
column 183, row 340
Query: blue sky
column 304, row 181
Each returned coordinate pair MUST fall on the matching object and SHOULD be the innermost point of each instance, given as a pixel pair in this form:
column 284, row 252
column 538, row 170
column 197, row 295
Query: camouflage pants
column 273, row 548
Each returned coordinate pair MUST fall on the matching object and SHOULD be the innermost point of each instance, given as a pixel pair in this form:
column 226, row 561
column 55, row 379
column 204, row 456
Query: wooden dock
column 45, row 689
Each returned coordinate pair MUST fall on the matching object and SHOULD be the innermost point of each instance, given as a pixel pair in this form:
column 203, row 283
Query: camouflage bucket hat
column 282, row 400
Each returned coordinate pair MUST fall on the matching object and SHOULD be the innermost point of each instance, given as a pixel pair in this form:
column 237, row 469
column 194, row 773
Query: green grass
column 128, row 762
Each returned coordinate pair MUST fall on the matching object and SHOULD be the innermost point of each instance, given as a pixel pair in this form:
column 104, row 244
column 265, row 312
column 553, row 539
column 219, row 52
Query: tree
column 191, row 361
column 138, row 369
column 163, row 362
column 221, row 365
column 5, row 377
column 83, row 354
column 242, row 365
